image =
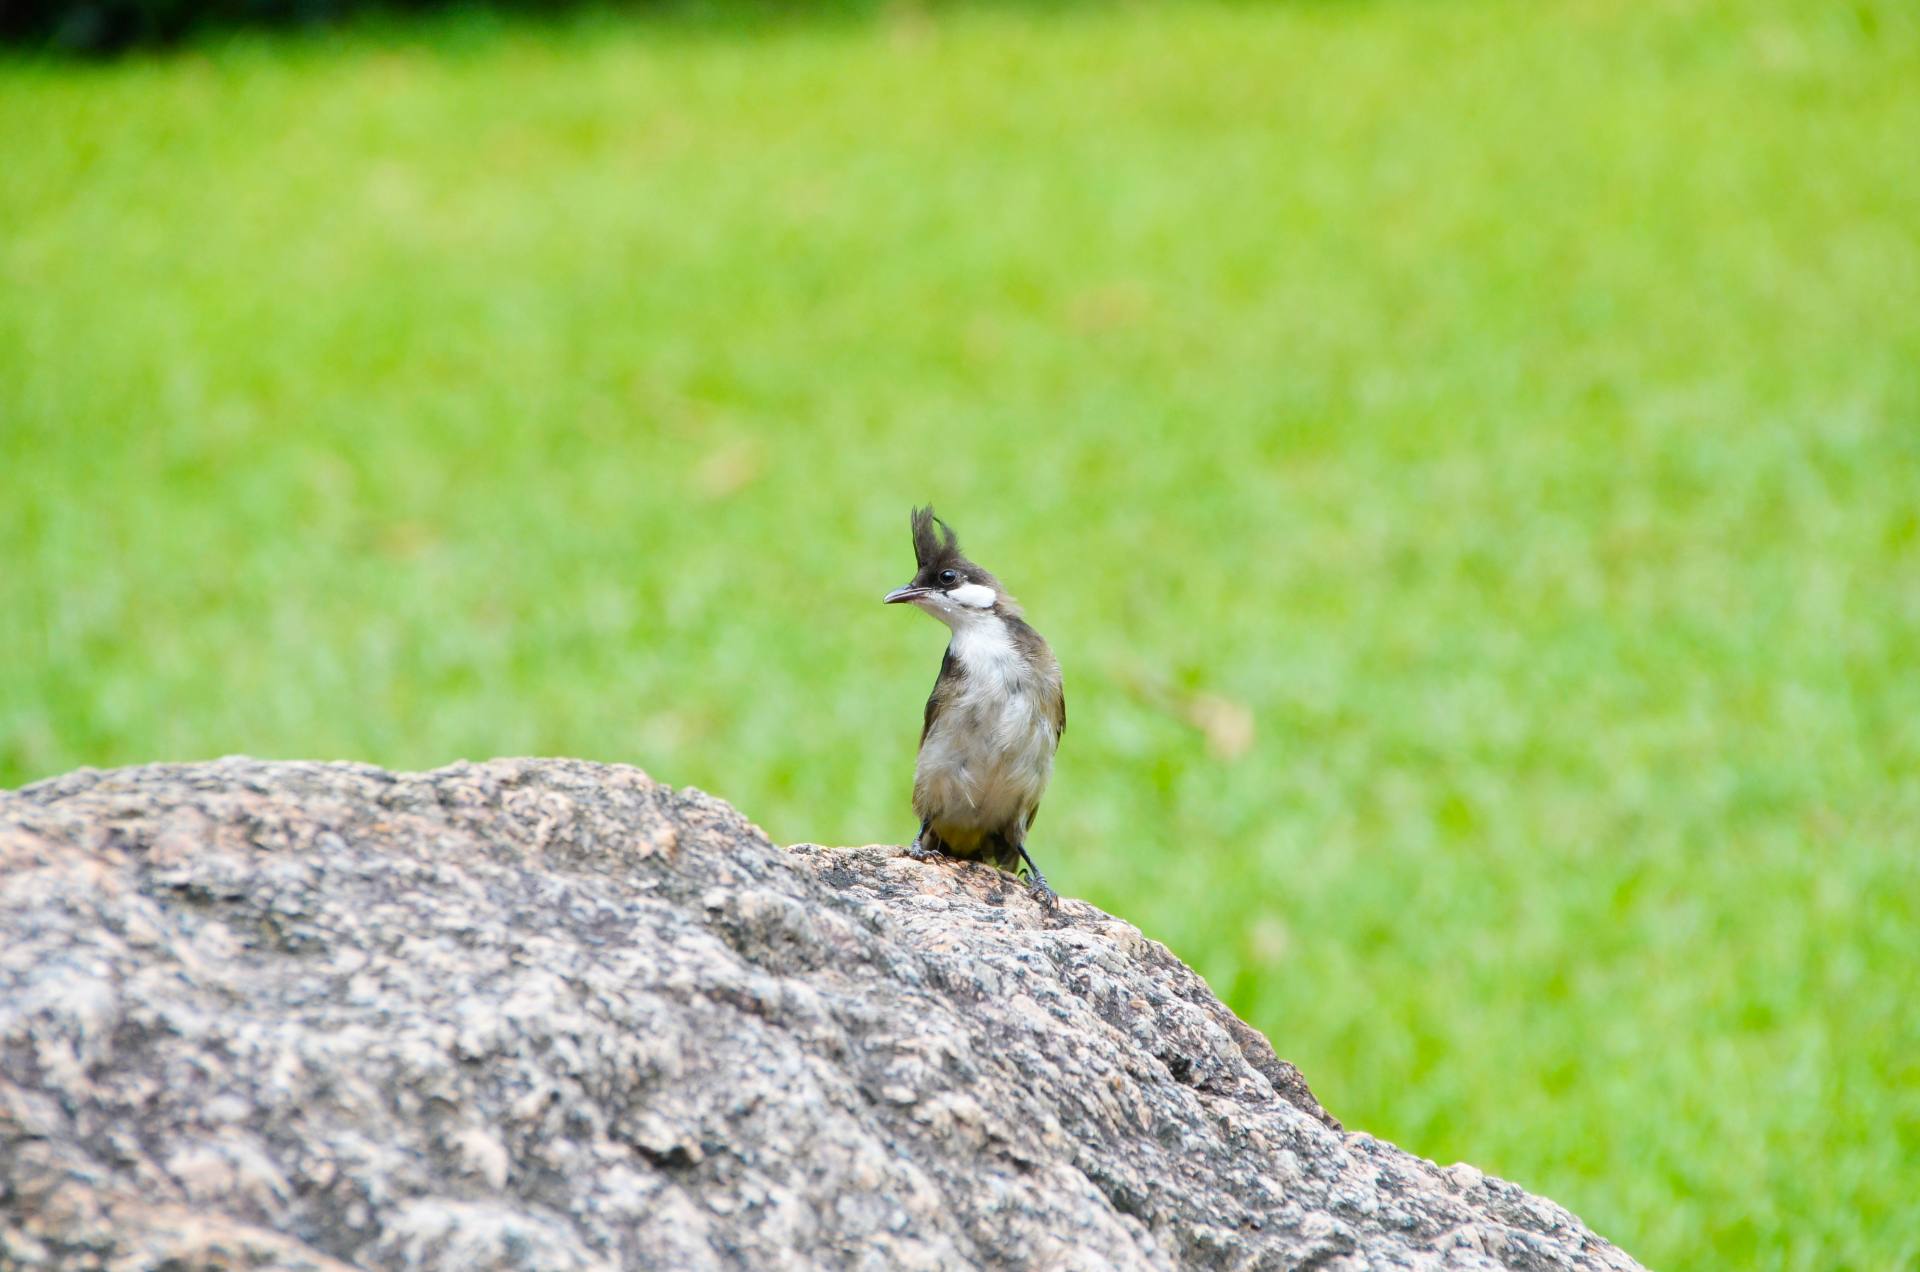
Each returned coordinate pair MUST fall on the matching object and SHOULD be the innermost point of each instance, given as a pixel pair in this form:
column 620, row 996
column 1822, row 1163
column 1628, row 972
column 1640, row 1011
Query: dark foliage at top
column 104, row 26
column 98, row 27
column 112, row 26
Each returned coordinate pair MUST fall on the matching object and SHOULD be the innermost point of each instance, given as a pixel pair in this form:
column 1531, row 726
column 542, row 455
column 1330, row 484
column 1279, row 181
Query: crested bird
column 994, row 718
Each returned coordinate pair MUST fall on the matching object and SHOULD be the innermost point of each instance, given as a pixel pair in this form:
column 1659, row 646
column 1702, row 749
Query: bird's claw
column 1037, row 883
column 920, row 852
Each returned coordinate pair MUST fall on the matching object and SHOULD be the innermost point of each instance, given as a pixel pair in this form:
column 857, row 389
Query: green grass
column 1514, row 407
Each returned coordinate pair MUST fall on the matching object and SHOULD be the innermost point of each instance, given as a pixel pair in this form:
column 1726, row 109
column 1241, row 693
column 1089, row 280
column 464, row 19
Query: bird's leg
column 918, row 849
column 1037, row 882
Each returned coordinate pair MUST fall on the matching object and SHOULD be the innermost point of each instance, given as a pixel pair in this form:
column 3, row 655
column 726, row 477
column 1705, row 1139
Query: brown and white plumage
column 995, row 716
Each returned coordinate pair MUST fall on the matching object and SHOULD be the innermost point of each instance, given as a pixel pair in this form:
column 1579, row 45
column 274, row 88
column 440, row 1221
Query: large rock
column 546, row 1014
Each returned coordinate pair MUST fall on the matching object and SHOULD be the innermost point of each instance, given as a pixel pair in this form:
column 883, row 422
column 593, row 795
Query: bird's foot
column 918, row 849
column 1037, row 886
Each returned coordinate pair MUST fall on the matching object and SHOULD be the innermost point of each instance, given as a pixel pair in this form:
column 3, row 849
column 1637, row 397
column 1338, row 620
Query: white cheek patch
column 973, row 596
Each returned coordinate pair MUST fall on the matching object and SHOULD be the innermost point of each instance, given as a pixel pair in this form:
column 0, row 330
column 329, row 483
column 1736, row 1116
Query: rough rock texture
column 546, row 1014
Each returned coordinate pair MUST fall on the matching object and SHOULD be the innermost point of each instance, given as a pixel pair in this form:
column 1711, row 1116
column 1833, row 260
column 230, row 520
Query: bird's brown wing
column 1034, row 646
column 943, row 688
column 1059, row 731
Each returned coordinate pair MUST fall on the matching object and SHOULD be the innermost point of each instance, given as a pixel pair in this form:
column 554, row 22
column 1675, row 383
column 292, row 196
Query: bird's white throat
column 985, row 651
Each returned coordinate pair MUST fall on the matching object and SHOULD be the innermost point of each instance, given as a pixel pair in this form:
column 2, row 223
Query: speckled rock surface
column 551, row 1015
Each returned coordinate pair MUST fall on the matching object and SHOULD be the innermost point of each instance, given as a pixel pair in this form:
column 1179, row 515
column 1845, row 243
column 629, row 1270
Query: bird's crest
column 934, row 544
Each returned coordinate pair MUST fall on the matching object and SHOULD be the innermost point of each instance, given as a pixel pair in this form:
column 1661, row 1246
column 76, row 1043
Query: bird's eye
column 949, row 577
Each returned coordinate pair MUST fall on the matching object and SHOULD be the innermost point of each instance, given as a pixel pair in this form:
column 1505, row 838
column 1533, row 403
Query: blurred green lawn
column 1514, row 407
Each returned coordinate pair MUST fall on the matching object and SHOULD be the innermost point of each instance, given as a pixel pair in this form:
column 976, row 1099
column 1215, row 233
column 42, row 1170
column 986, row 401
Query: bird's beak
column 900, row 594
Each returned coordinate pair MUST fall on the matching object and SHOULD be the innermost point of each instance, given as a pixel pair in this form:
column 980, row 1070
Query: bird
column 994, row 719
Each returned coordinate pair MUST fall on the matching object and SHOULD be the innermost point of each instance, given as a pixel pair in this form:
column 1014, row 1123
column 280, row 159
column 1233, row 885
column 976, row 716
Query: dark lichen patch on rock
column 547, row 1014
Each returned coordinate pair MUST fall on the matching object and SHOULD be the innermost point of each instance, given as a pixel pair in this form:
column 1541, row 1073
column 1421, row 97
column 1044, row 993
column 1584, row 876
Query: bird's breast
column 987, row 757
